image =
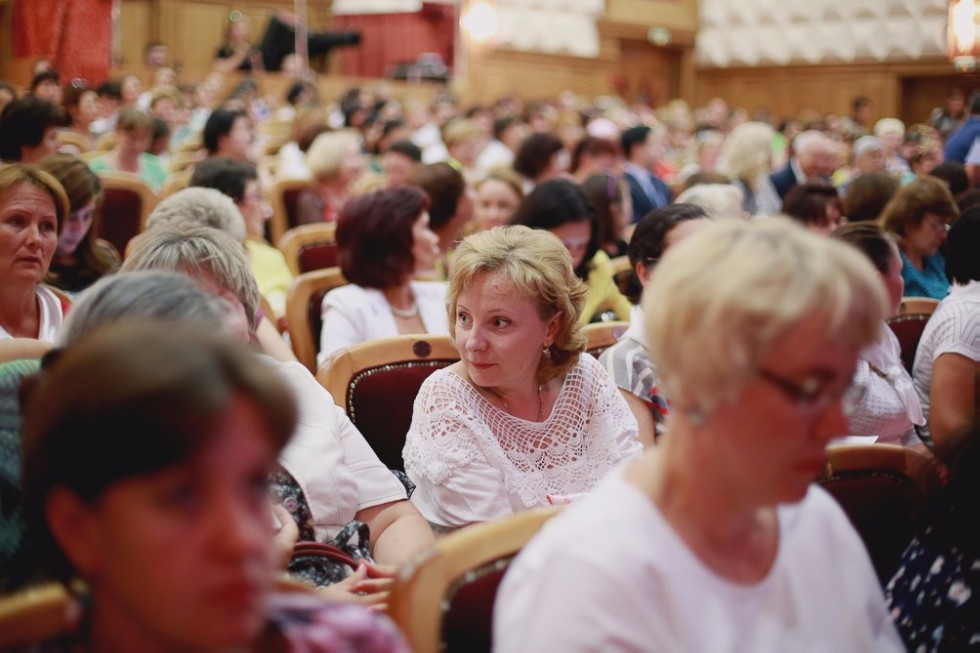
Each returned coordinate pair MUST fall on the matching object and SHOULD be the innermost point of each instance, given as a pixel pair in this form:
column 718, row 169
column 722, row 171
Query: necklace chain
column 405, row 313
column 507, row 406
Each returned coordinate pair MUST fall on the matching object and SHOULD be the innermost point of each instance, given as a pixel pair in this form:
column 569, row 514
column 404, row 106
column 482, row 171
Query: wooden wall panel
column 496, row 73
column 681, row 14
column 789, row 90
column 136, row 24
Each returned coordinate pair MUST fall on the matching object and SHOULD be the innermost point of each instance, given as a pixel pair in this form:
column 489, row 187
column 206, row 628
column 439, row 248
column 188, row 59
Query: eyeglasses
column 937, row 225
column 813, row 394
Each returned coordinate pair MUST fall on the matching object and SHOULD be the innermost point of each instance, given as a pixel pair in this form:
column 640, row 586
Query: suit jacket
column 783, row 180
column 642, row 204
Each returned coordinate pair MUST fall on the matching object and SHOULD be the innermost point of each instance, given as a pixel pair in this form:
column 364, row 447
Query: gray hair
column 152, row 294
column 809, row 141
column 204, row 207
column 202, row 253
column 722, row 297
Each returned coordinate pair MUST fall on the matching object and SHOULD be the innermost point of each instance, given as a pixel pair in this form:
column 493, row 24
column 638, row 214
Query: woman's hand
column 286, row 538
column 361, row 587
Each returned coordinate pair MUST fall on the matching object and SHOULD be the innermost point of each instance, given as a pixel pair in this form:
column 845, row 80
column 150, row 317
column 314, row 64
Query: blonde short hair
column 326, row 155
column 722, row 297
column 539, row 266
column 747, row 152
column 889, row 125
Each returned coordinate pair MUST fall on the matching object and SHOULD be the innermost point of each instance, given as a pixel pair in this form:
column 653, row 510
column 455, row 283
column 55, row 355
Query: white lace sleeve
column 456, row 484
column 611, row 414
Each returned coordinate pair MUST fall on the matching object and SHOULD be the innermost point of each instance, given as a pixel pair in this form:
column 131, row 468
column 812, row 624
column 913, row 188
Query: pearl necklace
column 405, row 313
column 507, row 406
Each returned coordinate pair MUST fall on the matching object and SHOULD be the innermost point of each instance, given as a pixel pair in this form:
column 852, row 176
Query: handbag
column 324, row 563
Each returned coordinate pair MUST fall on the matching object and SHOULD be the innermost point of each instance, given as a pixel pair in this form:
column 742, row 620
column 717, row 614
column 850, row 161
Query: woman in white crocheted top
column 890, row 407
column 523, row 419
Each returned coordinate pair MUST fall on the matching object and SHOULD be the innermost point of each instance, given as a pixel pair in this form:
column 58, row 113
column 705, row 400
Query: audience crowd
column 160, row 440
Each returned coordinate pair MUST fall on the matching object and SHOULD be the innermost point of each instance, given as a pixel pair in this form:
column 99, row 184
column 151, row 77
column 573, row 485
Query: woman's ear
column 551, row 331
column 73, row 526
column 642, row 273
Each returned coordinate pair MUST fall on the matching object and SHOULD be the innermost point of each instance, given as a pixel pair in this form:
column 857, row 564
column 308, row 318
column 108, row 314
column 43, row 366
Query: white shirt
column 890, row 406
column 473, row 462
column 611, row 574
column 50, row 320
column 352, row 314
column 953, row 329
column 328, row 457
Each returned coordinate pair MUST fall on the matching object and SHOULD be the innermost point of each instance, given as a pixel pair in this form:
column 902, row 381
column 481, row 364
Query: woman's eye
column 462, row 318
column 500, row 322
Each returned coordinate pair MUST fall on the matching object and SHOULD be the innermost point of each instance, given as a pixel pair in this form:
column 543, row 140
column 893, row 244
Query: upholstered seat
column 284, row 197
column 908, row 325
column 881, row 487
column 303, row 317
column 310, row 247
column 443, row 600
column 376, row 383
column 126, row 203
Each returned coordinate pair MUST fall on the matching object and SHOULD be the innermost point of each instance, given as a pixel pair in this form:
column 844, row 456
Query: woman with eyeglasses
column 716, row 539
column 81, row 258
column 920, row 214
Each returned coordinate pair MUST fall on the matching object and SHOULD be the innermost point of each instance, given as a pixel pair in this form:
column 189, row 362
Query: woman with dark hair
column 170, row 531
column 593, row 156
column 82, row 107
column 228, row 133
column 815, row 205
column 890, row 408
column 934, row 597
column 628, row 361
column 542, row 156
column 920, row 214
column 868, row 194
column 450, row 208
column 28, row 130
column 81, row 258
column 610, row 195
column 383, row 240
column 562, row 207
column 947, row 360
column 134, row 132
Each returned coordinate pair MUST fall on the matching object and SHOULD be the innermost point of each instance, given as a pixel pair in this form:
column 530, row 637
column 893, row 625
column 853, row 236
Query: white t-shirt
column 473, row 462
column 328, row 457
column 51, row 319
column 353, row 314
column 611, row 574
column 953, row 329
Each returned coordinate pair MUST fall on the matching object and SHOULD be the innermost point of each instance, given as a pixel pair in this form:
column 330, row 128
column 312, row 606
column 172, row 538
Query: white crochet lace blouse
column 474, row 462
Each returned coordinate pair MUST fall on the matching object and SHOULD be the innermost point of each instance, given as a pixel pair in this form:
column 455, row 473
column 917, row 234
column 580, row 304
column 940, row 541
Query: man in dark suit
column 642, row 148
column 814, row 156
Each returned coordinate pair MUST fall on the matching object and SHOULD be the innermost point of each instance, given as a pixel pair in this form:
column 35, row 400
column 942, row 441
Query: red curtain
column 76, row 36
column 391, row 39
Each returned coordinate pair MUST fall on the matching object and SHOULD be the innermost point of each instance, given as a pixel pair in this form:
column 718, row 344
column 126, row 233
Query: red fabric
column 391, row 39
column 76, row 36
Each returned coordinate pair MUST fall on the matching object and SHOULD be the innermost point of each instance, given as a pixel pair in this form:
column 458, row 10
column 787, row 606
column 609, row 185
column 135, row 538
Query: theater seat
column 908, row 325
column 303, row 316
column 126, row 203
column 603, row 335
column 376, row 383
column 443, row 600
column 284, row 197
column 881, row 487
column 310, row 247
